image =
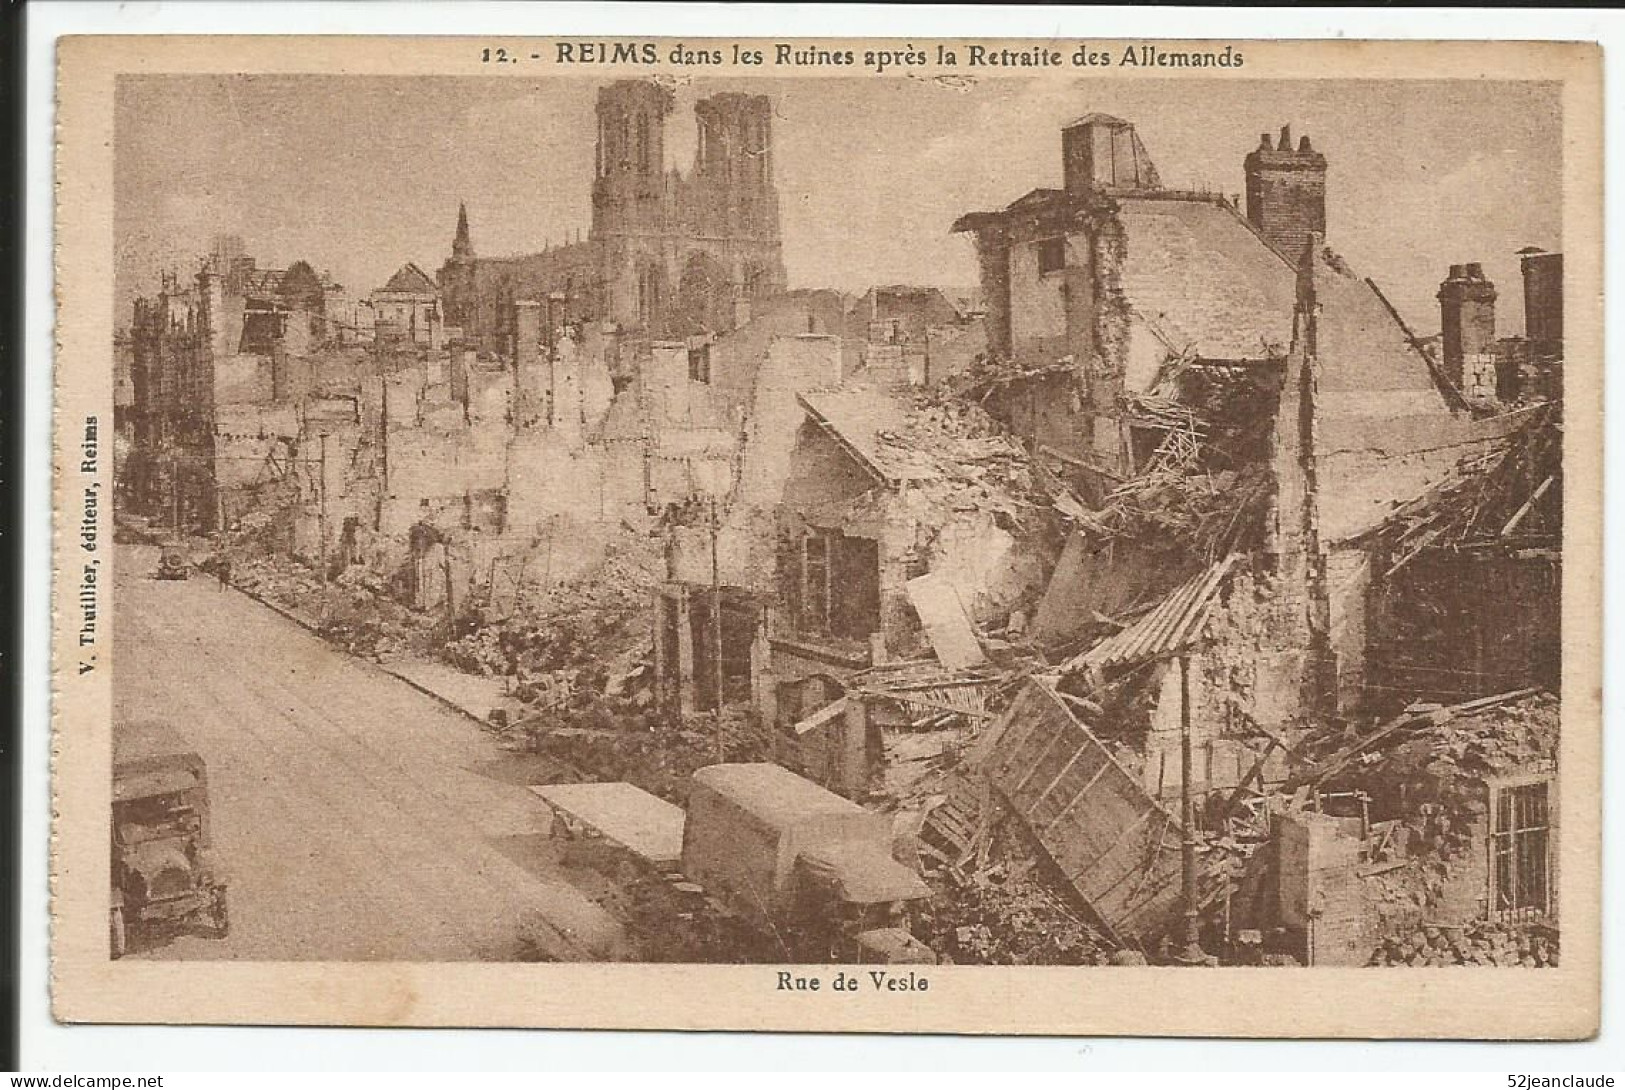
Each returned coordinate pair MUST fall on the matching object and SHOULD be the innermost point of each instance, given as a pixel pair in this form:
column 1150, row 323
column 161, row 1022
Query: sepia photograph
column 852, row 525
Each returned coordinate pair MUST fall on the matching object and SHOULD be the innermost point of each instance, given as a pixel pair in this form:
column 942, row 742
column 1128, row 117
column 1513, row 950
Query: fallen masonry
column 1158, row 608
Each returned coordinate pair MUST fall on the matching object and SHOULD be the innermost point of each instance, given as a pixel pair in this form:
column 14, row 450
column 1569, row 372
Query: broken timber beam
column 1528, row 505
column 1320, row 773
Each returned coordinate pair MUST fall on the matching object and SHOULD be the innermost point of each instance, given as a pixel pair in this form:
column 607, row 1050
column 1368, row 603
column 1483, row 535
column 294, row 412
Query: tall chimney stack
column 1467, row 321
column 1542, row 300
column 1286, row 192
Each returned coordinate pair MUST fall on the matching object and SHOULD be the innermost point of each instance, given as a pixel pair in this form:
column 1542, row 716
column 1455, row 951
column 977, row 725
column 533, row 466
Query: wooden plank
column 1528, row 505
column 1056, row 782
column 946, row 625
column 1082, row 793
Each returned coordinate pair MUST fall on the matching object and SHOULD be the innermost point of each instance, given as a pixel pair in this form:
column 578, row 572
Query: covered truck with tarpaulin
column 815, row 868
column 163, row 870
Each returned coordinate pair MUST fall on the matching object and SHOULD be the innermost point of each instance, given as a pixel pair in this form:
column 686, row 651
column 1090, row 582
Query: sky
column 361, row 174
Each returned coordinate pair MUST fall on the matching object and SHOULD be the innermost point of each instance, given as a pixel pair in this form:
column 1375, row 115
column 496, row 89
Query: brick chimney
column 1286, row 192
column 1542, row 300
column 1467, row 322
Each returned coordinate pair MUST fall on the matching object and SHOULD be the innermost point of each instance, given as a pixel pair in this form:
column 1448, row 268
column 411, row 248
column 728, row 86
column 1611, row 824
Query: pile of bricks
column 1499, row 944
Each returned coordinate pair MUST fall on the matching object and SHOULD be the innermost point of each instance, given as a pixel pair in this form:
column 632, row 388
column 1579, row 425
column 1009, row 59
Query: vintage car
column 162, row 866
column 172, row 563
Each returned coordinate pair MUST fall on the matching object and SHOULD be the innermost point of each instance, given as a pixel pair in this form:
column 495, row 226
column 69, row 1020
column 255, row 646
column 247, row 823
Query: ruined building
column 407, row 308
column 235, row 335
column 669, row 253
column 1293, row 519
column 1113, row 302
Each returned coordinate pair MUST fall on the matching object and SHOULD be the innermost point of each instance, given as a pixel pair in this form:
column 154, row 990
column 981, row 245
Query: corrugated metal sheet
column 1167, row 628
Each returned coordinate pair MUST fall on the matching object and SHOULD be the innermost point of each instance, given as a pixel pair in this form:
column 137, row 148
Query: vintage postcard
column 1022, row 537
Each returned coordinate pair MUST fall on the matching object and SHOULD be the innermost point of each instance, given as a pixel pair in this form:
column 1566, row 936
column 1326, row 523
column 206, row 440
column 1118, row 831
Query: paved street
column 357, row 818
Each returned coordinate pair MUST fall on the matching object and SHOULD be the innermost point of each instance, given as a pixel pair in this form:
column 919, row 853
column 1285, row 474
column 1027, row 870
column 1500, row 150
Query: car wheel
column 115, row 932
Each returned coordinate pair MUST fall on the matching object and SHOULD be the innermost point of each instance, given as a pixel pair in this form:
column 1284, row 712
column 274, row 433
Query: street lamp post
column 321, row 511
column 1192, row 953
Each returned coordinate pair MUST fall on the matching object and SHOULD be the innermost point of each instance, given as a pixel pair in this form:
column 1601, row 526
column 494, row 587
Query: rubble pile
column 1441, row 755
column 588, row 628
column 988, row 373
column 609, row 738
column 959, row 457
column 1206, row 488
column 994, row 900
column 1206, row 514
column 1513, row 490
column 354, row 611
column 1005, row 913
column 1482, row 943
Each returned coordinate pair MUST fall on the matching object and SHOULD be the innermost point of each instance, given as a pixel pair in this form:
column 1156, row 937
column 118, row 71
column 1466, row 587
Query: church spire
column 461, row 246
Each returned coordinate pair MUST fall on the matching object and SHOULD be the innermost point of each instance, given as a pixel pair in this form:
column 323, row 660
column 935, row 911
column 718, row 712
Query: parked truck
column 162, row 865
column 804, row 862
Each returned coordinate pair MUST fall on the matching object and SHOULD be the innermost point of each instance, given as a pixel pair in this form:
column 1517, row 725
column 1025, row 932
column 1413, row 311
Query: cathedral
column 669, row 254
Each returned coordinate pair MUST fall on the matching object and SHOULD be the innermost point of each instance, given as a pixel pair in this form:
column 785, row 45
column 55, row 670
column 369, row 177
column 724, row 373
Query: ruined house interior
column 1175, row 600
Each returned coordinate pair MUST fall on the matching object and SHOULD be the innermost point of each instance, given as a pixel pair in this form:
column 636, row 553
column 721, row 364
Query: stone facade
column 669, row 253
column 234, row 334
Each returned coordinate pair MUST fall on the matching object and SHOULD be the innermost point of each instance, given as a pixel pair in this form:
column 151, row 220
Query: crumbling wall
column 1321, row 894
column 1259, row 636
column 1246, row 680
column 994, row 569
column 740, row 357
column 1348, row 576
column 1456, row 624
column 1042, row 409
column 1111, row 330
column 993, row 269
column 433, row 462
column 951, row 349
column 1038, row 303
column 546, row 478
column 1368, row 463
column 243, row 379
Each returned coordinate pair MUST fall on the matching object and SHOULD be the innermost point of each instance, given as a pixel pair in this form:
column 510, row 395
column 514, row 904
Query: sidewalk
column 470, row 694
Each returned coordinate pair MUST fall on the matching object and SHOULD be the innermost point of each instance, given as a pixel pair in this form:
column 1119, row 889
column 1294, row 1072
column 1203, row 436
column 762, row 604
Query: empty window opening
column 838, row 590
column 1051, row 255
column 699, row 364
